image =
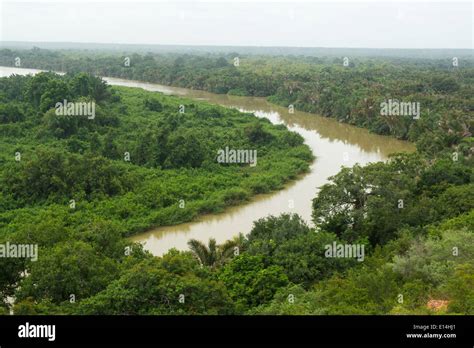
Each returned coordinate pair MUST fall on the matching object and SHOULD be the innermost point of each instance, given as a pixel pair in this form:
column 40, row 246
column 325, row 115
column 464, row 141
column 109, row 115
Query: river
column 334, row 144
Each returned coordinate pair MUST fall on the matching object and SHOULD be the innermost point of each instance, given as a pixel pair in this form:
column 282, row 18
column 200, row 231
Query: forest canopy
column 413, row 215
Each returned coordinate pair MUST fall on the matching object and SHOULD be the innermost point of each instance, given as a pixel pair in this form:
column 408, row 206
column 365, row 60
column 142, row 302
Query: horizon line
column 241, row 46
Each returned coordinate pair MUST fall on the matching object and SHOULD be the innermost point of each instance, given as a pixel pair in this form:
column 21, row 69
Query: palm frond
column 200, row 251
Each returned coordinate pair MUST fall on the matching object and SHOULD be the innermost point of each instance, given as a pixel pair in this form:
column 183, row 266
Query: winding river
column 334, row 144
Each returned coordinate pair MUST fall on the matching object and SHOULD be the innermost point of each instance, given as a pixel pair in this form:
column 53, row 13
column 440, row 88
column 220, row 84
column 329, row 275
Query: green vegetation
column 323, row 85
column 414, row 215
column 77, row 185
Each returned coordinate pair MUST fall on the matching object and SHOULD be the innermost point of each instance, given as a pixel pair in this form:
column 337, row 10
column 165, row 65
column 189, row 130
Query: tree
column 256, row 134
column 55, row 91
column 80, row 85
column 186, row 149
column 153, row 286
column 37, row 86
column 61, row 126
column 99, row 89
column 71, row 268
column 249, row 282
column 212, row 255
column 444, row 84
column 290, row 300
column 288, row 242
column 460, row 290
column 153, row 104
column 11, row 113
column 110, row 149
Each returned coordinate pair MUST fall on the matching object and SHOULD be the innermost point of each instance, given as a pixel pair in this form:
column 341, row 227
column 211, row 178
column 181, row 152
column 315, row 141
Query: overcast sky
column 378, row 24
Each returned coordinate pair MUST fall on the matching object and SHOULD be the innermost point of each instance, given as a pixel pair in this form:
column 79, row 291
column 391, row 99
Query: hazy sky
column 406, row 24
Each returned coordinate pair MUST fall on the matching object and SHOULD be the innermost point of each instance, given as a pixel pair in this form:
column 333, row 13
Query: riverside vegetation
column 414, row 214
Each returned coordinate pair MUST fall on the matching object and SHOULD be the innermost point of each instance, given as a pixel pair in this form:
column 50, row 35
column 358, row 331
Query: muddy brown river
column 334, row 144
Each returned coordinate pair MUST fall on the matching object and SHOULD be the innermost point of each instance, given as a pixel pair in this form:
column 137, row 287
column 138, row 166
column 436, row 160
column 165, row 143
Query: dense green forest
column 247, row 50
column 348, row 89
column 414, row 215
column 76, row 186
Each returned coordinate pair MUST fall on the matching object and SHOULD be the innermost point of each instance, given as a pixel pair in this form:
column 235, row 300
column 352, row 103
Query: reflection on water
column 334, row 144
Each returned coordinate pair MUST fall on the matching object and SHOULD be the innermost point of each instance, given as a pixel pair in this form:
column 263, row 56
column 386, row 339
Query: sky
column 374, row 24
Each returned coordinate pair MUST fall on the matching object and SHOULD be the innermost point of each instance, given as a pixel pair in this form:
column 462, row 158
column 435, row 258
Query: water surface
column 334, row 144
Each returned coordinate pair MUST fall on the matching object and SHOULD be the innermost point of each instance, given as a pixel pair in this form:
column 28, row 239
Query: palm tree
column 214, row 255
column 206, row 255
